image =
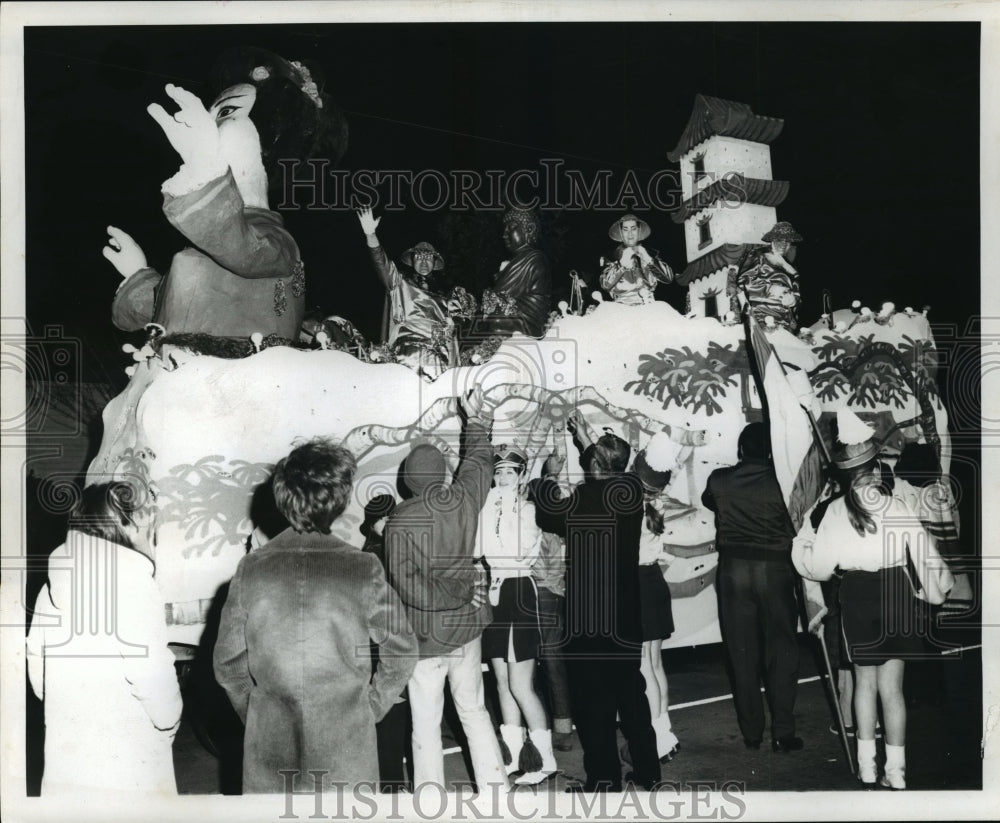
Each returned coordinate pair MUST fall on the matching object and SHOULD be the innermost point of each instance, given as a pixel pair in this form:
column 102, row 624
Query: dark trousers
column 551, row 607
column 599, row 689
column 392, row 734
column 757, row 613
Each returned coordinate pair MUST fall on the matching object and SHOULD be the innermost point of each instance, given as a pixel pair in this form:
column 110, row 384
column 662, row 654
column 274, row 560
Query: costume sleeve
column 935, row 576
column 530, row 543
column 230, row 658
column 35, row 648
column 660, row 270
column 135, row 301
column 941, row 516
column 384, row 267
column 611, row 274
column 150, row 671
column 398, row 649
column 213, row 219
column 814, row 552
column 483, row 532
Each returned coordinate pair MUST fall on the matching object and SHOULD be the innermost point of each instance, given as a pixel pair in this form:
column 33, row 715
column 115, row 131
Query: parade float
column 203, row 432
column 200, row 429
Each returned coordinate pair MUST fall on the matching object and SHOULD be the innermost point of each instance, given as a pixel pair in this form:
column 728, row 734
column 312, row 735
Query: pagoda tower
column 729, row 196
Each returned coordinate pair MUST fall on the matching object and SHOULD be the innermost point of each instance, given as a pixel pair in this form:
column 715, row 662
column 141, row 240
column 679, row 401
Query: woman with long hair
column 871, row 536
column 509, row 541
column 98, row 655
column 654, row 594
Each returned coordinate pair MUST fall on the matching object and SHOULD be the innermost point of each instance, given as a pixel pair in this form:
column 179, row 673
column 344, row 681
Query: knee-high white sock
column 895, row 766
column 666, row 740
column 867, row 770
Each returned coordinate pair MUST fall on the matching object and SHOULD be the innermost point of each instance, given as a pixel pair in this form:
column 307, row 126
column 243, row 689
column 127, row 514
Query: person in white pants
column 430, row 541
column 463, row 670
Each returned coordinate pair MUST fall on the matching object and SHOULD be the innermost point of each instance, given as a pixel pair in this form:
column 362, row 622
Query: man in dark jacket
column 602, row 521
column 756, row 588
column 430, row 541
column 293, row 645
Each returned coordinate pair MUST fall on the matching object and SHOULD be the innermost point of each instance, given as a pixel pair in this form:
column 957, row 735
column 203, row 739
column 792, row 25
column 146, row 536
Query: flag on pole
column 796, row 452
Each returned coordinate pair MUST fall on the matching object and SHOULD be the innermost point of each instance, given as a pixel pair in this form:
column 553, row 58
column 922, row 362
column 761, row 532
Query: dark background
column 880, row 144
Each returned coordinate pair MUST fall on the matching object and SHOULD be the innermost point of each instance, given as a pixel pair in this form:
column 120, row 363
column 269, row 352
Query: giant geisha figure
column 242, row 272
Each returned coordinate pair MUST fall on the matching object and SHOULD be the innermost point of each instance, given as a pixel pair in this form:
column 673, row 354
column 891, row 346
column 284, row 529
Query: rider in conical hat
column 632, row 274
column 416, row 322
column 768, row 279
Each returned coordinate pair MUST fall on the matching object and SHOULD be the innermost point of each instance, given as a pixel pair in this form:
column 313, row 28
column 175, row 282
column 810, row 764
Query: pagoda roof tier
column 733, row 188
column 713, row 115
column 728, row 254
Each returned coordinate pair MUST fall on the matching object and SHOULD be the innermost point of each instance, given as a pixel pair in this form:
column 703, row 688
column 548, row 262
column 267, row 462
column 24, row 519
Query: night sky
column 880, row 144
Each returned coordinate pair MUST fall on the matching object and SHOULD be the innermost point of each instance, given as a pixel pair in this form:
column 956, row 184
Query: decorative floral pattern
column 483, row 352
column 461, row 304
column 299, row 279
column 499, row 302
column 870, row 374
column 691, row 380
column 307, row 84
column 280, row 300
column 202, row 497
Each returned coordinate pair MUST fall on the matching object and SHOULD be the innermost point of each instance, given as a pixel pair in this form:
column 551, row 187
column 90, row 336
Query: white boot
column 895, row 767
column 513, row 738
column 542, row 738
column 867, row 770
column 666, row 741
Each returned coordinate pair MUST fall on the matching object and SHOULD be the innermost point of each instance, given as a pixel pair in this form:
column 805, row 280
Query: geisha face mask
column 239, row 142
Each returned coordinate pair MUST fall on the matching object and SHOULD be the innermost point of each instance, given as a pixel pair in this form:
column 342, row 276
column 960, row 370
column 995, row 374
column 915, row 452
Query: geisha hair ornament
column 308, row 85
column 304, row 80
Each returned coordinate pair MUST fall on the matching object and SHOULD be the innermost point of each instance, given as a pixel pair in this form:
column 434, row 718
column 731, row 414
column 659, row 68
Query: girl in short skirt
column 650, row 466
column 509, row 541
column 865, row 534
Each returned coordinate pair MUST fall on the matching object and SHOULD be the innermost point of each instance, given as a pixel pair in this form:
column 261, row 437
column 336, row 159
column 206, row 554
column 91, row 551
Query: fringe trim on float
column 229, row 348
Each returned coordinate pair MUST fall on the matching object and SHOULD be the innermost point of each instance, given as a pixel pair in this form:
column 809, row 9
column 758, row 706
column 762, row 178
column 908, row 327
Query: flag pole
column 759, row 377
column 836, row 701
column 817, row 435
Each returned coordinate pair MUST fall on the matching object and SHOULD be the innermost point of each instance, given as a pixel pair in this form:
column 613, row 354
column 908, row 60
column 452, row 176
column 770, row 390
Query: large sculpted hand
column 191, row 131
column 124, row 253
